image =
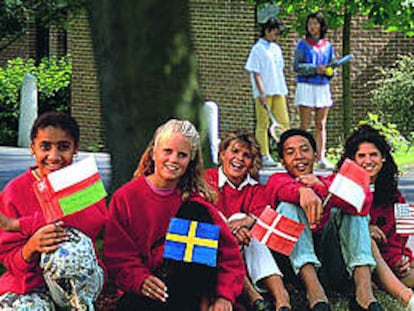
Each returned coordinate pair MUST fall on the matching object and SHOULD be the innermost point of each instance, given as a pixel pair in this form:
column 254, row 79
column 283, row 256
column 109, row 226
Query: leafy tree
column 393, row 15
column 17, row 16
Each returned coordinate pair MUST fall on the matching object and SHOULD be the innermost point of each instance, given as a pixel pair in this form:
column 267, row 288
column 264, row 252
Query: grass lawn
column 404, row 158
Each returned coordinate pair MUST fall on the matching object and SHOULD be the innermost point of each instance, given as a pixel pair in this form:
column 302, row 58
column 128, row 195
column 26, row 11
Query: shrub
column 393, row 136
column 53, row 77
column 394, row 94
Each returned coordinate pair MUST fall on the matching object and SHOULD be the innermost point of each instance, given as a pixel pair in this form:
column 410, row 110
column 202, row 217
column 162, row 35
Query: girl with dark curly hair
column 369, row 149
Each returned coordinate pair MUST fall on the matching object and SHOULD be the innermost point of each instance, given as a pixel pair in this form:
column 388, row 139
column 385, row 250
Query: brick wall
column 223, row 33
column 86, row 105
column 24, row 47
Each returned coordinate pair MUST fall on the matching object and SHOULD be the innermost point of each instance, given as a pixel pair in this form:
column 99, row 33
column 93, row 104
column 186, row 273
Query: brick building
column 223, row 33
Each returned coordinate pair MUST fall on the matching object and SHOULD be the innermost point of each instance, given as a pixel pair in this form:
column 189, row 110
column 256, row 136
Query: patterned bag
column 72, row 272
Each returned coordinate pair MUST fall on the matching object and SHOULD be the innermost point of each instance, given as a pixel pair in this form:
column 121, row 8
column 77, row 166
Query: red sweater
column 282, row 187
column 19, row 201
column 383, row 217
column 250, row 199
column 139, row 219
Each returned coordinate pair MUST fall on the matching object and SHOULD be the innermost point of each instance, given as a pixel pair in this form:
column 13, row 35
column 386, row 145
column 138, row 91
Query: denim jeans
column 354, row 235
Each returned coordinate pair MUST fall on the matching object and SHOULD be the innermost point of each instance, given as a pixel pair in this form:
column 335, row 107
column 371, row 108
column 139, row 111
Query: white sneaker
column 325, row 165
column 267, row 160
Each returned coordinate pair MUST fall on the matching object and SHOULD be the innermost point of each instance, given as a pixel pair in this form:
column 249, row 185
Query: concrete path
column 14, row 161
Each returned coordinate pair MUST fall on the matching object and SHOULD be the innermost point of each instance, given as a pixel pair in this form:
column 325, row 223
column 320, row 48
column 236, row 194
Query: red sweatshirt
column 383, row 217
column 251, row 199
column 19, row 201
column 282, row 187
column 139, row 219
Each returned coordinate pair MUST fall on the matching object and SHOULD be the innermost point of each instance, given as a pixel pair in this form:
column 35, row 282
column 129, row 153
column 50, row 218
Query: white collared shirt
column 266, row 58
column 222, row 180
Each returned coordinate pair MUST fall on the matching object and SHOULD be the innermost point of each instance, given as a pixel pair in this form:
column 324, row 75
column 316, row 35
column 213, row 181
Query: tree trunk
column 147, row 74
column 346, row 76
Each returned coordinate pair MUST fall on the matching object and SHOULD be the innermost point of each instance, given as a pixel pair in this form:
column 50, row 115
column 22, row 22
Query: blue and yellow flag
column 192, row 241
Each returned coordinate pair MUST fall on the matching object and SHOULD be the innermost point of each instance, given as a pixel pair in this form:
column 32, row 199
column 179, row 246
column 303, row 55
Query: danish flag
column 278, row 232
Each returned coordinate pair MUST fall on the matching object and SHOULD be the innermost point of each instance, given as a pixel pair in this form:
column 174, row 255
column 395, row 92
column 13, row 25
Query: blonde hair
column 192, row 182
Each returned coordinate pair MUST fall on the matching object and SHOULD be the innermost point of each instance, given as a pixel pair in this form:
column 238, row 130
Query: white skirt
column 313, row 95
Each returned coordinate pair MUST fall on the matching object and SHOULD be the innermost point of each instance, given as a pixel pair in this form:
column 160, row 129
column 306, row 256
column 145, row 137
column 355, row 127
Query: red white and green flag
column 278, row 232
column 70, row 189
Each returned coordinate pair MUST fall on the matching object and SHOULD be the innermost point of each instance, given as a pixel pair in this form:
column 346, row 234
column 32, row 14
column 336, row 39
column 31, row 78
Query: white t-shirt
column 266, row 58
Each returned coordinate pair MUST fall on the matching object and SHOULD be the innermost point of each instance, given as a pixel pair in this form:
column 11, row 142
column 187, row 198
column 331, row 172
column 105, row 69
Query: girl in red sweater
column 68, row 246
column 368, row 148
column 169, row 173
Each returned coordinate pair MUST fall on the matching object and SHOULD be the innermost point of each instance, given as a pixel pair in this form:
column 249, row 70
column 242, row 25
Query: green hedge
column 53, row 77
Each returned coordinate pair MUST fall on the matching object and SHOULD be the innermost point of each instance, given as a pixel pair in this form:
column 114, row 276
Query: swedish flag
column 192, row 241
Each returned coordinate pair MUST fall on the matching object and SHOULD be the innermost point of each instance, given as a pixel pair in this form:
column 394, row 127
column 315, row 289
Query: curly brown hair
column 386, row 183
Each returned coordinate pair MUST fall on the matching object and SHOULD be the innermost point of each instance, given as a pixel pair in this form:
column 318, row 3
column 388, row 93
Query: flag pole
column 328, row 197
column 402, row 247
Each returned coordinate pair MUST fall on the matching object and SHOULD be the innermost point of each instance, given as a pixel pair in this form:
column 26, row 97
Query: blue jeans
column 354, row 235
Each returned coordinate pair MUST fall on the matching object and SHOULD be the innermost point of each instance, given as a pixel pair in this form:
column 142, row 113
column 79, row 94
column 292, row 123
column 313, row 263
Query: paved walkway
column 14, row 161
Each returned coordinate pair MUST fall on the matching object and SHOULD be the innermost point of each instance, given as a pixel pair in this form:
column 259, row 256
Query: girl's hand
column 154, row 288
column 9, row 224
column 242, row 235
column 403, row 267
column 221, row 304
column 377, row 234
column 45, row 240
column 246, row 221
column 321, row 69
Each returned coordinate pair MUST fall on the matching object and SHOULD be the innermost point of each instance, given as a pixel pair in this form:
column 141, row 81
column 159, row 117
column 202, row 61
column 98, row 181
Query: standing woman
column 49, row 264
column 169, row 174
column 266, row 65
column 395, row 262
column 312, row 55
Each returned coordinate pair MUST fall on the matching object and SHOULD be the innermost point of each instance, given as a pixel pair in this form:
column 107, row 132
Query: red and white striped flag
column 404, row 218
column 350, row 184
column 70, row 189
column 277, row 231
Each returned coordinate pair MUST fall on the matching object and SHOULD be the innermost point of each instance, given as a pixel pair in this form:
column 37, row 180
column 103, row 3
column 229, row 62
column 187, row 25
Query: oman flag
column 349, row 184
column 277, row 231
column 70, row 189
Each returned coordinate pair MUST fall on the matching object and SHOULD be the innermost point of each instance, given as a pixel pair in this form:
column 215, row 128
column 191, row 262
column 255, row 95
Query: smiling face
column 369, row 157
column 53, row 149
column 298, row 156
column 314, row 28
column 171, row 157
column 237, row 160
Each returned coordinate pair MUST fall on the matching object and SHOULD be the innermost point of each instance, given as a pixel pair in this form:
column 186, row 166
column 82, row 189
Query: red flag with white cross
column 278, row 232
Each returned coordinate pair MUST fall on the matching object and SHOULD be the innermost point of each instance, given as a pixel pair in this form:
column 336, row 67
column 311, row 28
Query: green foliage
column 53, row 77
column 394, row 94
column 16, row 16
column 397, row 141
column 397, row 15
